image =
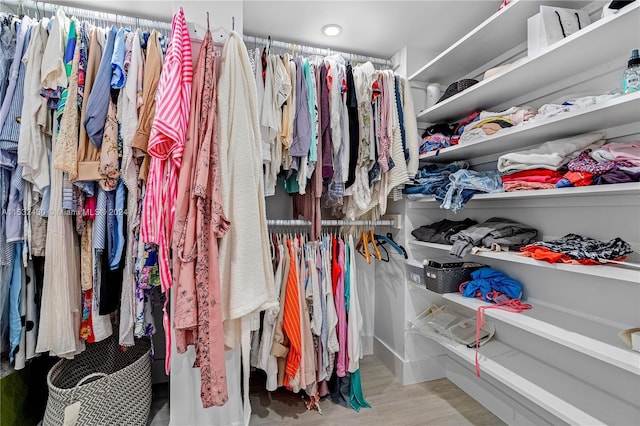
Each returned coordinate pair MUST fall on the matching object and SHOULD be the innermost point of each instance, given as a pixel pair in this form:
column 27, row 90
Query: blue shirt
column 118, row 77
column 98, row 102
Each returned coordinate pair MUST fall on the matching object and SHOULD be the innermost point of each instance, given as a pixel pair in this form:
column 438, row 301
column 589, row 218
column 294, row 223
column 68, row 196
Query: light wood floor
column 433, row 403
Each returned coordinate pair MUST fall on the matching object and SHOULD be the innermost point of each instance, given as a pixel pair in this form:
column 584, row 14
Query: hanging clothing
column 166, row 145
column 153, row 67
column 243, row 200
column 199, row 223
column 61, row 308
column 129, row 102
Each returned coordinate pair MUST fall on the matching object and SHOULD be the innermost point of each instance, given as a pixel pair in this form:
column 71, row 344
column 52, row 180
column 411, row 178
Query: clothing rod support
column 285, row 222
column 312, row 50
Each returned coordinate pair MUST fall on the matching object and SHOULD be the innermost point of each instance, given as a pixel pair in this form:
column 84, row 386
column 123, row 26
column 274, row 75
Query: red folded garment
column 580, row 178
column 536, row 175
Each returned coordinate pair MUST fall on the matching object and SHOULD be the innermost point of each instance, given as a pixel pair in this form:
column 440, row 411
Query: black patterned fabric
column 579, row 247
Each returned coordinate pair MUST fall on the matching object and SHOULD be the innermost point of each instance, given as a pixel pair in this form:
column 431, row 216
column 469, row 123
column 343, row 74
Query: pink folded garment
column 618, row 151
column 521, row 185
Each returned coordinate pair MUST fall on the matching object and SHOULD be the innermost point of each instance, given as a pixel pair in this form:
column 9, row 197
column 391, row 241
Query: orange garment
column 291, row 323
column 543, row 253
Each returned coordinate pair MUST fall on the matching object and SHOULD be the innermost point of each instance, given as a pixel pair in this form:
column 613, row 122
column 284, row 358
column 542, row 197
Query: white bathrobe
column 246, row 275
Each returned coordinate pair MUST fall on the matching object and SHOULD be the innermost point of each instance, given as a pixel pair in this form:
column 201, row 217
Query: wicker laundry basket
column 112, row 386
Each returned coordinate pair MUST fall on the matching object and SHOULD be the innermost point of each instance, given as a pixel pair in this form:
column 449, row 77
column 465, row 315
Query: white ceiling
column 375, row 28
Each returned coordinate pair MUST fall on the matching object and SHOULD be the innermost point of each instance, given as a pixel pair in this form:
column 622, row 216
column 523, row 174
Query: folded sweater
column 550, row 155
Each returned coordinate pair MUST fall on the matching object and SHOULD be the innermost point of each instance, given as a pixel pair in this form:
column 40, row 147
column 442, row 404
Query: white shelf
column 573, row 333
column 605, row 271
column 615, row 112
column 534, row 380
column 569, row 56
column 629, row 188
column 497, row 34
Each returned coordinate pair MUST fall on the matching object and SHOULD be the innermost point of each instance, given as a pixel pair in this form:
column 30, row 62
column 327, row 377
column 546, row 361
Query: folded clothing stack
column 465, row 183
column 531, row 179
column 568, row 105
column 573, row 248
column 494, row 232
column 432, row 180
column 487, row 122
column 550, row 155
column 453, row 184
column 441, row 232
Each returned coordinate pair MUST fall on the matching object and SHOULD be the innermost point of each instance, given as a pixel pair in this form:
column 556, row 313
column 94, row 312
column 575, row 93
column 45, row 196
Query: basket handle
column 90, row 376
column 74, row 395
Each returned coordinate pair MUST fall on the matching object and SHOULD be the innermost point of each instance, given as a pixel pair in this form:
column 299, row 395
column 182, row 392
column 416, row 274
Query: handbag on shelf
column 551, row 25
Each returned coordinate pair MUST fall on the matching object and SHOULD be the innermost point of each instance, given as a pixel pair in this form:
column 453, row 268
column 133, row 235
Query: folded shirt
column 534, row 175
column 440, row 232
column 495, row 231
column 521, row 185
column 615, row 151
column 550, row 155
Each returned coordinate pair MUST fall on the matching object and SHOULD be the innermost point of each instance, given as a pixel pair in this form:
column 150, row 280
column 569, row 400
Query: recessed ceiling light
column 331, row 30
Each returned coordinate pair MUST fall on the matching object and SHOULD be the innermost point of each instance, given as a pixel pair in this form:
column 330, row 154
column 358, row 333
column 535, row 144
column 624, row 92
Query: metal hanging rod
column 287, row 222
column 312, row 50
column 44, row 7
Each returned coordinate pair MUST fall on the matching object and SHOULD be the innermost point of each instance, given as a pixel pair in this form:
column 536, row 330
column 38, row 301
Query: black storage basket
column 447, row 280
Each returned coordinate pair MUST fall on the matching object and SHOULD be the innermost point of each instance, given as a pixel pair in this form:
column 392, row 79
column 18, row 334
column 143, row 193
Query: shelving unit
column 615, row 272
column 615, row 112
column 562, row 361
column 573, row 332
column 538, row 382
column 570, row 54
column 483, row 43
column 629, row 189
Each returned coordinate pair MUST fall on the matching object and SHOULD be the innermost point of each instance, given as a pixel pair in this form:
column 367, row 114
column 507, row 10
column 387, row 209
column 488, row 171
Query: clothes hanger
column 363, row 247
column 388, row 239
column 372, row 240
column 387, row 258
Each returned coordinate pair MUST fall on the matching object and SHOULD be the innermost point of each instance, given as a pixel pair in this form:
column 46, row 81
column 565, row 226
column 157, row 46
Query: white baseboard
column 409, row 372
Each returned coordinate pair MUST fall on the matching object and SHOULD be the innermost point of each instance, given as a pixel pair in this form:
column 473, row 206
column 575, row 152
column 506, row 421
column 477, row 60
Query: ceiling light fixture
column 331, row 30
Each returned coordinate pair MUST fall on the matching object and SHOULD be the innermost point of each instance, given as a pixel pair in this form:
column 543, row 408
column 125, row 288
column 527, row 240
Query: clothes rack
column 41, row 7
column 312, row 50
column 286, row 222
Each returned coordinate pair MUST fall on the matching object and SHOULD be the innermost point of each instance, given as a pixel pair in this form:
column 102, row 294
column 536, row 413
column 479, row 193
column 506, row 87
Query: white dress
column 59, row 332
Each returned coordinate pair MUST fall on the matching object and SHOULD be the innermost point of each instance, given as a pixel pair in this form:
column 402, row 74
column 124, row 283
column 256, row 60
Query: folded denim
column 431, row 179
column 461, row 180
column 503, row 232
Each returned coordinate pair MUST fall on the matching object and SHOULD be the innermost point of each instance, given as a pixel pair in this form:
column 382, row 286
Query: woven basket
column 447, row 280
column 457, row 87
column 113, row 387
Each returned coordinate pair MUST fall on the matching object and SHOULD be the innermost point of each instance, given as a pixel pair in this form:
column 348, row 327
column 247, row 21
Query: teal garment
column 311, row 100
column 356, row 398
column 290, row 184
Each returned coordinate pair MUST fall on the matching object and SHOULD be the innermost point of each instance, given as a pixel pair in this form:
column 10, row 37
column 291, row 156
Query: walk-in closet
column 244, row 212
